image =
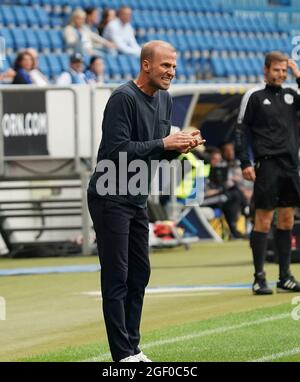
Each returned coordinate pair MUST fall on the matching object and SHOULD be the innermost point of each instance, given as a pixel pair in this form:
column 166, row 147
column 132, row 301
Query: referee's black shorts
column 276, row 185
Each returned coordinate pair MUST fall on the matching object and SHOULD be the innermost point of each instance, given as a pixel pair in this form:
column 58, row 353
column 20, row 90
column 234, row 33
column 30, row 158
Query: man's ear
column 146, row 66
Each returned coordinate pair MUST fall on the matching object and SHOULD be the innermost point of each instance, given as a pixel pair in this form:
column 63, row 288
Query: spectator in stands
column 219, row 195
column 121, row 32
column 75, row 74
column 37, row 77
column 81, row 39
column 23, row 65
column 108, row 15
column 95, row 71
column 92, row 19
column 7, row 76
column 235, row 175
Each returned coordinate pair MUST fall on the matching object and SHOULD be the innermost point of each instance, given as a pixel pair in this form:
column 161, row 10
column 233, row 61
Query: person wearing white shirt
column 121, row 33
column 81, row 39
column 75, row 75
column 37, row 77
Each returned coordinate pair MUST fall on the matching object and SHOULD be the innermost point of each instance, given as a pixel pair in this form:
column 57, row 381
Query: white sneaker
column 142, row 357
column 131, row 358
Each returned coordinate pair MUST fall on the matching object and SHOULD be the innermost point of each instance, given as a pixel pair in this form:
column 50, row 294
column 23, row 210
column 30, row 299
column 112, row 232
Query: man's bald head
column 151, row 47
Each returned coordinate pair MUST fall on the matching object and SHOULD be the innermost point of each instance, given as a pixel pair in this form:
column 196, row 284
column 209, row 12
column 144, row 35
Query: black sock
column 258, row 243
column 283, row 245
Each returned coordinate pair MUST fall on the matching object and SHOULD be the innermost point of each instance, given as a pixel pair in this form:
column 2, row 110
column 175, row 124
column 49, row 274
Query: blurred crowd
column 226, row 193
column 226, row 189
column 86, row 35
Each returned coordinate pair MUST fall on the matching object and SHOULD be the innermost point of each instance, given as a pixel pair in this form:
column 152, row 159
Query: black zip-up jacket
column 268, row 116
column 135, row 124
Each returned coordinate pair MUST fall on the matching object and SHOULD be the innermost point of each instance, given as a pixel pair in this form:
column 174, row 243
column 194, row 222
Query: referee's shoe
column 288, row 284
column 260, row 286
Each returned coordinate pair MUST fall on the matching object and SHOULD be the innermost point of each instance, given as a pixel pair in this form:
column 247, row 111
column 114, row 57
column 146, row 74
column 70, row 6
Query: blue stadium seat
column 56, row 40
column 209, row 41
column 31, row 16
column 226, row 42
column 19, row 39
column 165, row 21
column 112, row 66
column 249, row 43
column 155, row 20
column 204, row 42
column 43, row 66
column 44, row 42
column 8, row 15
column 216, row 42
column 250, row 69
column 229, row 69
column 192, row 20
column 64, row 61
column 183, row 22
column 181, row 70
column 56, row 21
column 203, row 23
column 217, row 66
column 31, row 38
column 192, row 42
column 54, row 65
column 93, row 4
column 135, row 64
column 138, row 20
column 20, row 16
column 9, row 42
column 182, row 43
column 11, row 59
column 24, row 2
column 146, row 16
column 124, row 64
column 175, row 22
column 238, row 66
column 42, row 16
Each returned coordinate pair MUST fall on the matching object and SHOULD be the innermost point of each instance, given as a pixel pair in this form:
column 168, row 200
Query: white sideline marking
column 181, row 289
column 274, row 356
column 222, row 329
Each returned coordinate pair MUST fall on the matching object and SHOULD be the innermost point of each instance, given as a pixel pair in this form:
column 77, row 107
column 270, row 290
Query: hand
column 8, row 74
column 197, row 140
column 249, row 173
column 110, row 45
column 292, row 64
column 182, row 142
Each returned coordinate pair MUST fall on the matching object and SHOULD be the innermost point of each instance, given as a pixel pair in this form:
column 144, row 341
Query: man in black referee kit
column 136, row 123
column 268, row 116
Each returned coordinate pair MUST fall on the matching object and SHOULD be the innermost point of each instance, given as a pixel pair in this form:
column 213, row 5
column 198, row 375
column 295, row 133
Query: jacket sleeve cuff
column 298, row 81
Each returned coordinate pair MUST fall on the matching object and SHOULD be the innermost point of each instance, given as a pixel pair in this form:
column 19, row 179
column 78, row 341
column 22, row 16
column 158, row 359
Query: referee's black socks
column 258, row 243
column 283, row 245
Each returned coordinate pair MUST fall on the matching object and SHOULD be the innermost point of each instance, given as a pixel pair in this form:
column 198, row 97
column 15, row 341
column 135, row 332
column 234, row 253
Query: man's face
column 125, row 15
column 228, row 152
column 161, row 68
column 276, row 74
column 79, row 21
column 98, row 67
column 77, row 66
column 215, row 159
column 94, row 17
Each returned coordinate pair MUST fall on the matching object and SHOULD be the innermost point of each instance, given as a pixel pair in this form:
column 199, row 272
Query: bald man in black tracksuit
column 268, row 116
column 136, row 124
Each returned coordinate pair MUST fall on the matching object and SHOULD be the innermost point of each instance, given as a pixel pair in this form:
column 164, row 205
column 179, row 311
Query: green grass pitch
column 53, row 318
